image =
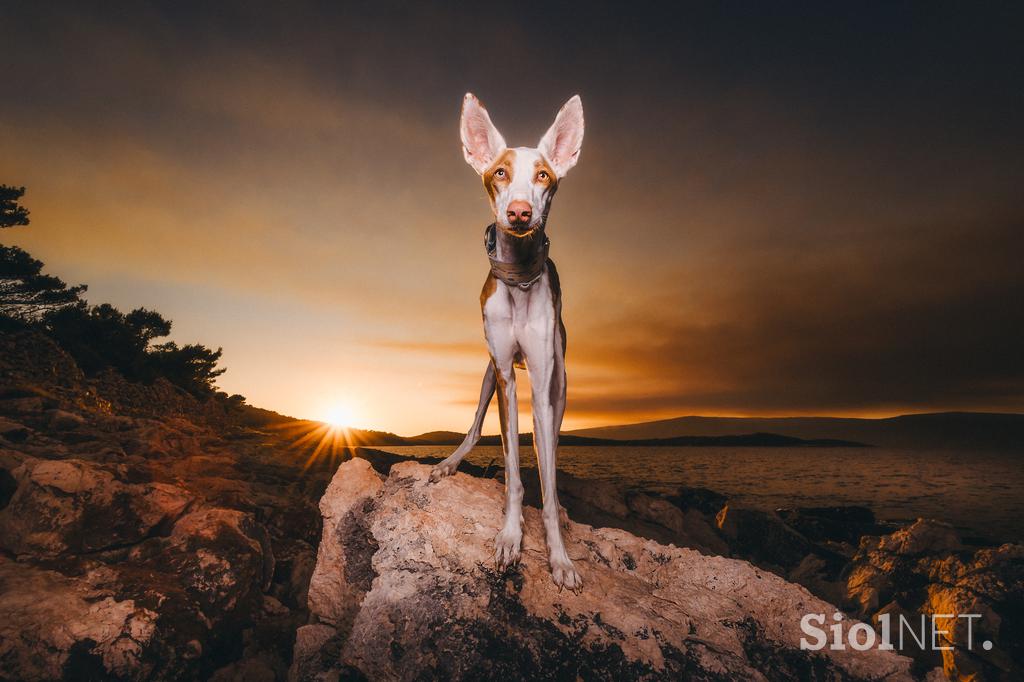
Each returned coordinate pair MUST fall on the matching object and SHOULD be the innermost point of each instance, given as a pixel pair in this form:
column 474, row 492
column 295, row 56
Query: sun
column 338, row 416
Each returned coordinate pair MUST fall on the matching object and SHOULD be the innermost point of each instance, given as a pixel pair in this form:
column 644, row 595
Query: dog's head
column 521, row 181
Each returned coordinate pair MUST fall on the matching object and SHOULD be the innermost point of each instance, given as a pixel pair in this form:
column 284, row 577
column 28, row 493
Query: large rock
column 75, row 506
column 762, row 537
column 923, row 569
column 170, row 609
column 405, row 588
column 56, row 627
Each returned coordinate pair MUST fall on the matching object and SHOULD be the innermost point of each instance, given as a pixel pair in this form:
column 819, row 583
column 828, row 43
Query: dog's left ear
column 561, row 144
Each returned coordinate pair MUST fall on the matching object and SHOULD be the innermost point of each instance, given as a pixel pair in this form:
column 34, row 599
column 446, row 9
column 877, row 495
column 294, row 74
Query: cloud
column 785, row 238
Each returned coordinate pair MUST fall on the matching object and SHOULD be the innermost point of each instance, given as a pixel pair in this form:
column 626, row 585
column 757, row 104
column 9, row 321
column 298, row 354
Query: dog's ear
column 481, row 141
column 561, row 144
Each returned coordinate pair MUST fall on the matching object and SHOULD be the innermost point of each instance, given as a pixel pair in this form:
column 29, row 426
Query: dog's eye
column 500, row 173
column 543, row 175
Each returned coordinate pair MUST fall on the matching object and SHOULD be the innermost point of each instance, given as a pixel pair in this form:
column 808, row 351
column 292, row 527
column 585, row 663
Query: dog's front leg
column 547, row 381
column 509, row 539
column 451, row 463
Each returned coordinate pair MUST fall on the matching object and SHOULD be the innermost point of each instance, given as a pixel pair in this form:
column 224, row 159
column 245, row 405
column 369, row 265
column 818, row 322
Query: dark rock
column 13, row 431
column 835, row 524
column 74, row 506
column 706, row 501
column 762, row 537
column 924, row 570
column 62, row 420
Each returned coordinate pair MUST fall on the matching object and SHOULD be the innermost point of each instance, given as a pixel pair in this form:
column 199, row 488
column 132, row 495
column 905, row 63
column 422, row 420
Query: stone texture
column 426, row 601
column 55, row 626
column 924, row 569
column 75, row 506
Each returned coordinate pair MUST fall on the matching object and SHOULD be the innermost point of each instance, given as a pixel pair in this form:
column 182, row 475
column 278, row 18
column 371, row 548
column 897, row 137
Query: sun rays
column 324, row 443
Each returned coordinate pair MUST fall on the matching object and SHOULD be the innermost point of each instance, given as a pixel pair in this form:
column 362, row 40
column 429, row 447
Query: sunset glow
column 339, row 416
column 734, row 240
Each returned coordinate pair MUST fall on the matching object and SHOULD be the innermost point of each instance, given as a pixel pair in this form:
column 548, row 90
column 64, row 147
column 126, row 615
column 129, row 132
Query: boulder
column 762, row 537
column 13, row 431
column 75, row 506
column 925, row 536
column 168, row 609
column 57, row 627
column 62, row 420
column 831, row 524
column 223, row 555
column 923, row 569
column 690, row 527
column 405, row 588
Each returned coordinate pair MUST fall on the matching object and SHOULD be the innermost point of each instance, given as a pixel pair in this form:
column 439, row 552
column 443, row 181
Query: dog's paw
column 443, row 469
column 563, row 572
column 506, row 547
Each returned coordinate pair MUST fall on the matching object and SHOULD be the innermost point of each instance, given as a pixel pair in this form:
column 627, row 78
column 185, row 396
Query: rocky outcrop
column 145, row 536
column 151, row 615
column 405, row 588
column 145, row 543
column 924, row 569
column 74, row 506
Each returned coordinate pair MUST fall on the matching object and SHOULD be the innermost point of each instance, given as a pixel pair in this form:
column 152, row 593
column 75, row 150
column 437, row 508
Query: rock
column 61, row 420
column 924, row 570
column 223, row 558
column 405, row 588
column 74, row 506
column 164, row 611
column 601, row 495
column 762, row 537
column 294, row 563
column 256, row 669
column 831, row 524
column 26, row 407
column 55, row 627
column 925, row 536
column 707, row 502
column 690, row 527
column 13, row 431
column 814, row 573
column 657, row 510
column 343, row 572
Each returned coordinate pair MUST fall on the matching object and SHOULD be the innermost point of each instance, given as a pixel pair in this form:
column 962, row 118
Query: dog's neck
column 517, row 249
column 517, row 260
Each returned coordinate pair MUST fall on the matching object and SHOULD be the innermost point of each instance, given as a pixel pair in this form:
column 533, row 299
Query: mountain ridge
column 942, row 430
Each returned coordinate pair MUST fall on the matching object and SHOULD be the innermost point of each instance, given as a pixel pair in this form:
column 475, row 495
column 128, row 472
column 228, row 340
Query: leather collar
column 521, row 274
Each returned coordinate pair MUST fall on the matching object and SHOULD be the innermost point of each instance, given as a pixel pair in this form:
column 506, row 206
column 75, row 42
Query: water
column 981, row 493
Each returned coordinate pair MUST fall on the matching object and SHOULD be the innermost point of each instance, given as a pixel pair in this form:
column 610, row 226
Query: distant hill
column 743, row 440
column 938, row 431
column 945, row 430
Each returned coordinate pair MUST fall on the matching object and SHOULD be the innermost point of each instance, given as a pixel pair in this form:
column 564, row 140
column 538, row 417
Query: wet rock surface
column 406, row 589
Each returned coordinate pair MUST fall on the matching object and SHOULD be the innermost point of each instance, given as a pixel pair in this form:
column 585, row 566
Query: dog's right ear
column 481, row 141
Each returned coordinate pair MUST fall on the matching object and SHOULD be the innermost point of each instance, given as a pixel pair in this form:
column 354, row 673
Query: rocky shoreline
column 147, row 535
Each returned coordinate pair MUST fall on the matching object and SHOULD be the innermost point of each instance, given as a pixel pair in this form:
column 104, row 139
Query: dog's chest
column 522, row 310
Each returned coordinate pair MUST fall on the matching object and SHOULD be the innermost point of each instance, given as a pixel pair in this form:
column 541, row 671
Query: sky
column 779, row 208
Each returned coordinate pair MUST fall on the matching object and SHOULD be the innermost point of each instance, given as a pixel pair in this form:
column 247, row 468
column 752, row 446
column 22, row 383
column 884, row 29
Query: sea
column 980, row 493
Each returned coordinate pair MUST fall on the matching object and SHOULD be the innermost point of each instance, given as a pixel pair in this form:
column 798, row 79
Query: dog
column 522, row 314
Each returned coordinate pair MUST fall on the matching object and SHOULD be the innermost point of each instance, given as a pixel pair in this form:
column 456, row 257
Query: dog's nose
column 519, row 213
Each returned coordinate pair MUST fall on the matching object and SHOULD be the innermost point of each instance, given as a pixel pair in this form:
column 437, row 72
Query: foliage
column 26, row 293
column 11, row 212
column 102, row 336
column 97, row 337
column 193, row 367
